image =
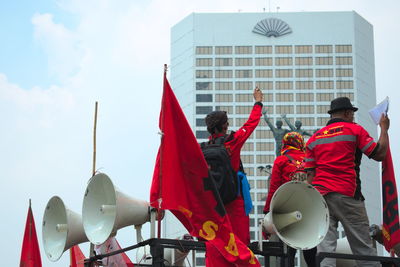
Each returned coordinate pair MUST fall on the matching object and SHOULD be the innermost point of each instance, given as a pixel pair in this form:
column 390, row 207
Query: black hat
column 341, row 103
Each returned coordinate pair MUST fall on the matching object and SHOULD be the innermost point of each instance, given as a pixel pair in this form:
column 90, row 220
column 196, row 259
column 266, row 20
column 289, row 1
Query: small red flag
column 390, row 227
column 181, row 184
column 30, row 254
column 77, row 257
column 120, row 260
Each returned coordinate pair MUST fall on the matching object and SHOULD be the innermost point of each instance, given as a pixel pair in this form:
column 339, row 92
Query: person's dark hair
column 215, row 120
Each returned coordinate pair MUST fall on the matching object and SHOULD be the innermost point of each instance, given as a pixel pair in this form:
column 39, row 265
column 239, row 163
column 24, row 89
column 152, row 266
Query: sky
column 57, row 58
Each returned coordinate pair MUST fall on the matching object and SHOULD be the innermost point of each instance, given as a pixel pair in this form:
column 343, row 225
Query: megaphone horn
column 62, row 229
column 105, row 209
column 298, row 215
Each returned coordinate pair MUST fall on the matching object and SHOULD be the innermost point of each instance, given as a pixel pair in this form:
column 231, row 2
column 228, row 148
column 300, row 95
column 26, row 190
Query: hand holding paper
column 378, row 110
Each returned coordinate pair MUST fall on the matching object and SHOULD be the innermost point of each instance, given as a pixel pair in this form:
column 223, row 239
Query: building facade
column 301, row 61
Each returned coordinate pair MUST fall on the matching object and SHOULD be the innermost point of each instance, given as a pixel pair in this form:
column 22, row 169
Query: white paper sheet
column 378, row 110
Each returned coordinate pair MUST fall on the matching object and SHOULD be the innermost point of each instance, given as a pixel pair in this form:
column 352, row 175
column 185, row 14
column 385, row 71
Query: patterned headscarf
column 292, row 140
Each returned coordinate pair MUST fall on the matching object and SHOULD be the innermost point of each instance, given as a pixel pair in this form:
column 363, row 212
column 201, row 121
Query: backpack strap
column 291, row 159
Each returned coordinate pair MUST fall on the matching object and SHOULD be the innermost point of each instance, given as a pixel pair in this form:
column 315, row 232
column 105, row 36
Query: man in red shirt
column 217, row 126
column 333, row 158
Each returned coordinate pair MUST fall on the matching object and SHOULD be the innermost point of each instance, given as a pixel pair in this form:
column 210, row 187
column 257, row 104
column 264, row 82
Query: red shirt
column 282, row 169
column 335, row 153
column 240, row 136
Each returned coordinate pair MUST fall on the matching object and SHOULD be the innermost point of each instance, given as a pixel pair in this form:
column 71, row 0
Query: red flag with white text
column 30, row 253
column 76, row 256
column 390, row 227
column 120, row 260
column 181, row 184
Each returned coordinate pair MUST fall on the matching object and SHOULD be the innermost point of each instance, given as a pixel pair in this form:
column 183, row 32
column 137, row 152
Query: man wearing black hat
column 217, row 125
column 333, row 159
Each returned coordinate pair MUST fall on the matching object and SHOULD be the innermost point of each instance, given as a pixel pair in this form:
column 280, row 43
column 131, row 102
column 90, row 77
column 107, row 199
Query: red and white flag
column 30, row 253
column 76, row 256
column 120, row 260
column 181, row 184
column 390, row 227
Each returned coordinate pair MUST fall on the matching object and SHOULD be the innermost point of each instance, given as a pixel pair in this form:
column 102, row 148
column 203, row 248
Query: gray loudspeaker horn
column 298, row 215
column 62, row 229
column 105, row 209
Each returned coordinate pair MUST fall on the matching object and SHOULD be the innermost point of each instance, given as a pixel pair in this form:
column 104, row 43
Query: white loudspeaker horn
column 62, row 229
column 105, row 209
column 298, row 215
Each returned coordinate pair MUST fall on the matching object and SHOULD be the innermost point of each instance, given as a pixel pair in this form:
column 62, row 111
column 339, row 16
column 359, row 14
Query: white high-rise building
column 301, row 61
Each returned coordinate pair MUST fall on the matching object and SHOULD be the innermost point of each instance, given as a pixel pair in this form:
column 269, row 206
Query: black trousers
column 309, row 256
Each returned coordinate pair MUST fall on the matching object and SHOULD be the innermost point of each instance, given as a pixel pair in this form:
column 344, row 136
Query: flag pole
column 159, row 212
column 91, row 253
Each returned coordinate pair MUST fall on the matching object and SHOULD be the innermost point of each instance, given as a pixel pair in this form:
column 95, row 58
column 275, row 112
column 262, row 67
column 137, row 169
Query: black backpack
column 220, row 168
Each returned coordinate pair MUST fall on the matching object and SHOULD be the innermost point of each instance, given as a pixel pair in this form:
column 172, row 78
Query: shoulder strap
column 291, row 159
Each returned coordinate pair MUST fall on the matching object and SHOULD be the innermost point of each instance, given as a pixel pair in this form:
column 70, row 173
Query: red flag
column 181, row 184
column 390, row 227
column 120, row 260
column 30, row 254
column 77, row 257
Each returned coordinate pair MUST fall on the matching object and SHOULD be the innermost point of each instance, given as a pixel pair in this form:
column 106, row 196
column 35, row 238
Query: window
column 228, row 109
column 284, row 109
column 248, row 147
column 244, row 98
column 223, row 98
column 344, row 61
column 265, row 85
column 263, row 134
column 283, row 73
column 200, row 74
column 283, row 61
column 262, row 184
column 243, row 61
column 306, row 109
column 244, row 74
column 283, row 49
column 344, row 85
column 264, row 49
column 307, row 121
column 344, row 72
column 263, row 73
column 304, row 73
column 322, row 121
column 247, row 158
column 349, row 95
column 200, row 261
column 305, row 97
column 203, row 86
column 204, row 98
column 264, row 159
column 203, row 110
column 343, row 49
column 283, row 85
column 240, row 121
column 323, row 49
column 282, row 97
column 201, row 123
column 220, row 50
column 304, row 61
column 219, row 62
column 223, row 86
column 324, row 73
column 323, row 109
column 203, row 50
column 324, row 84
column 263, row 61
column 325, row 96
column 202, row 134
column 243, row 109
column 203, row 62
column 249, row 172
column 324, row 60
column 304, row 85
column 243, row 50
column 265, row 146
column 303, row 49
column 244, row 86
column 223, row 74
